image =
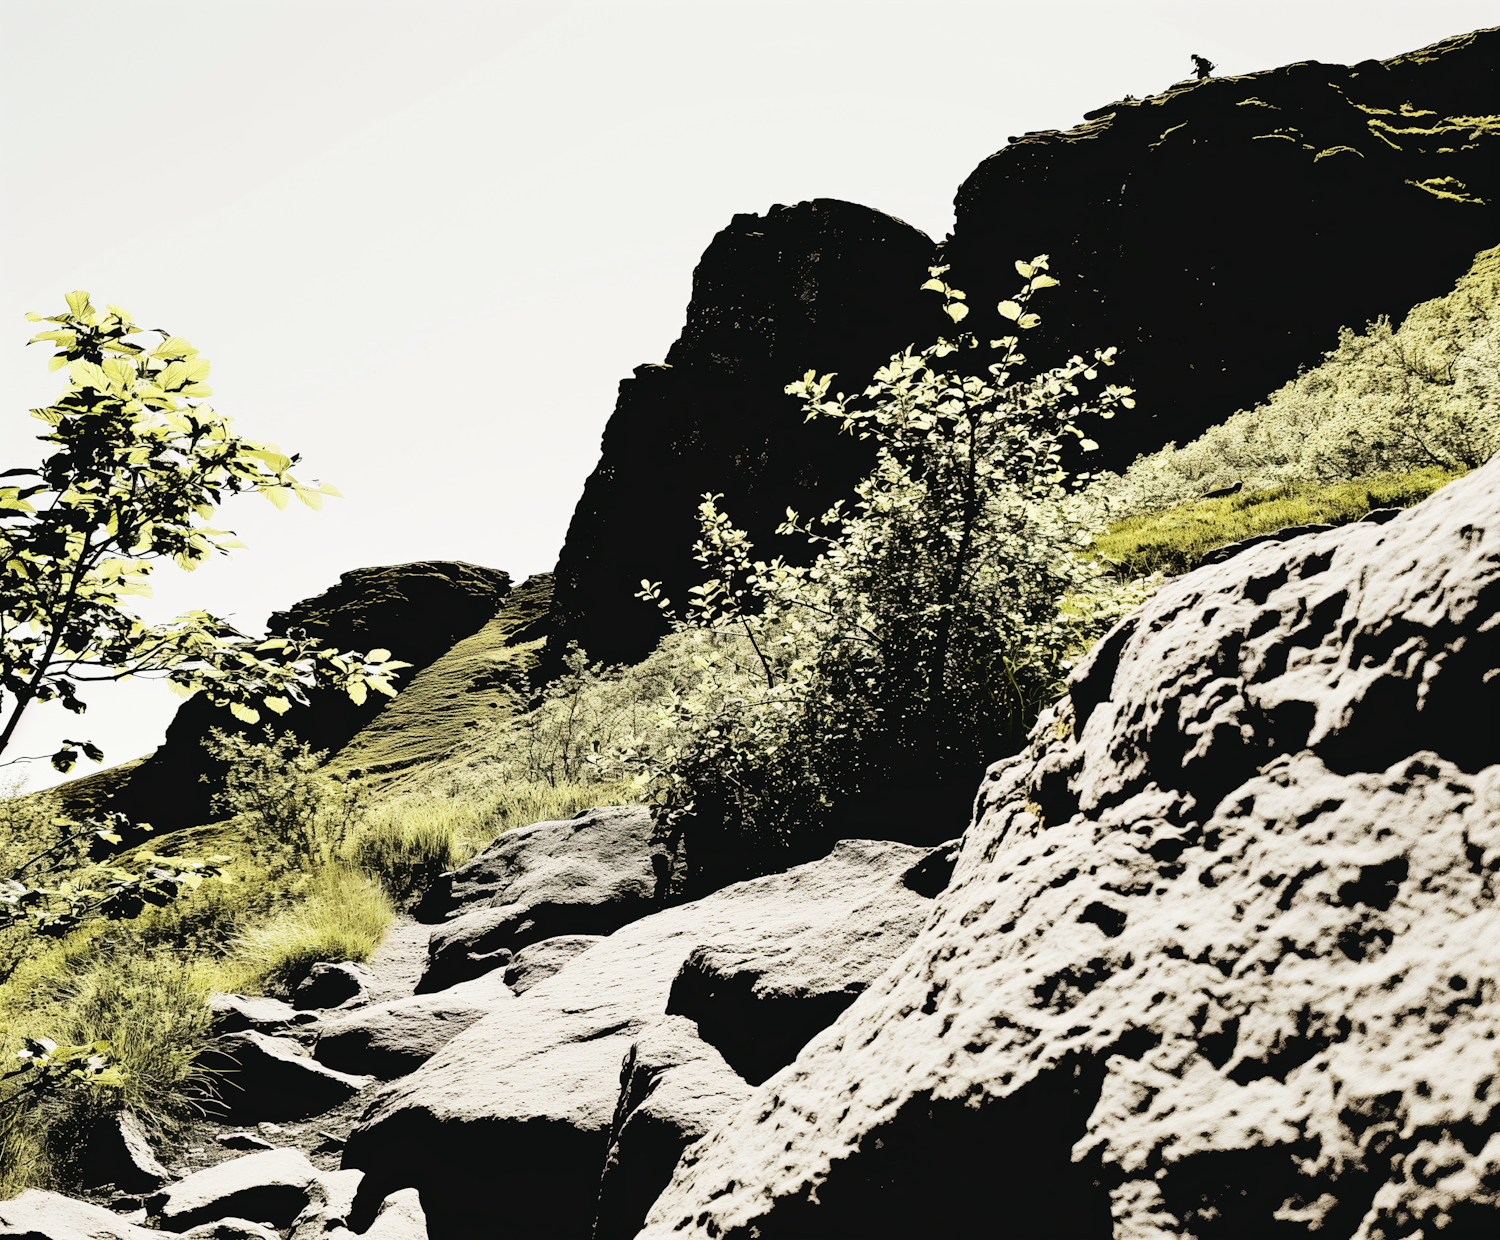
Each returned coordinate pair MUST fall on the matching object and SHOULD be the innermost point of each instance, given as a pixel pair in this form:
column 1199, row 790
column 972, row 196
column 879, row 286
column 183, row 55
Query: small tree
column 138, row 465
column 929, row 630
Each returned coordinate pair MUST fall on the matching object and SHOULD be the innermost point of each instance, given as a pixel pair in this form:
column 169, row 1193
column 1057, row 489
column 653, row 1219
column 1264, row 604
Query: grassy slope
column 1176, row 541
column 482, row 679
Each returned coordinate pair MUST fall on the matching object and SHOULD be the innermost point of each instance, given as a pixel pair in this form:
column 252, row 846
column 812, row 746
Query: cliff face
column 824, row 284
column 417, row 611
column 1218, row 234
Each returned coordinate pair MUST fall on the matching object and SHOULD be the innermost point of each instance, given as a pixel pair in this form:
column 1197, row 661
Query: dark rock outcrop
column 823, row 284
column 416, row 611
column 519, row 1107
column 1177, row 224
column 1176, row 221
column 586, row 875
column 256, row 1077
column 1218, row 955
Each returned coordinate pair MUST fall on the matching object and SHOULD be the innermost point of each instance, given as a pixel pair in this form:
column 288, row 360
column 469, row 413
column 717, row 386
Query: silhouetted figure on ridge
column 1202, row 66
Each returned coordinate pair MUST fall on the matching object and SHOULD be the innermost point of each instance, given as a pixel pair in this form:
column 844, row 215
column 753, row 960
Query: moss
column 1176, row 540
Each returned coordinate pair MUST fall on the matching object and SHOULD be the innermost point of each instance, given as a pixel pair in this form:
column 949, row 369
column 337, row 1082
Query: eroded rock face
column 1218, row 958
column 271, row 1187
column 518, row 1108
column 40, row 1215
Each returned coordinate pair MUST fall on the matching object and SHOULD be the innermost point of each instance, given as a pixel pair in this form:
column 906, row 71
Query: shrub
column 922, row 640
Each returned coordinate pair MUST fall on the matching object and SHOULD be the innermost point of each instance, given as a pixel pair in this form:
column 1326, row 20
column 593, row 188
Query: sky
column 423, row 241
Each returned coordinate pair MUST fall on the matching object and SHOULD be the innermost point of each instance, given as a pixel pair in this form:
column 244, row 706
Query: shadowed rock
column 1217, row 956
column 264, row 1078
column 674, row 1086
column 588, row 875
column 118, row 1153
column 329, row 985
column 519, row 1106
column 541, row 960
column 390, row 1039
column 271, row 1187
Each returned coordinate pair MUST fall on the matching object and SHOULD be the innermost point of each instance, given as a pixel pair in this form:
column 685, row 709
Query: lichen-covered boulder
column 1219, row 955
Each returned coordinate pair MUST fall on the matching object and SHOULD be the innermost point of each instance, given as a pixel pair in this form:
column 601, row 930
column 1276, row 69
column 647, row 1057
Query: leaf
column 358, row 692
column 1024, row 270
column 279, row 704
column 78, row 303
column 380, row 654
column 956, row 311
column 277, row 495
column 936, row 286
column 1028, row 320
column 1088, row 445
column 245, row 714
column 1009, row 310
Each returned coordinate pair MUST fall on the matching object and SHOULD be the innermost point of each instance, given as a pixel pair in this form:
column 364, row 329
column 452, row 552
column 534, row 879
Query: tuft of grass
column 407, row 843
column 340, row 914
column 1176, row 540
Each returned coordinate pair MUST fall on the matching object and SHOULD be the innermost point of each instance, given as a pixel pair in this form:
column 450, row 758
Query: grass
column 1176, row 541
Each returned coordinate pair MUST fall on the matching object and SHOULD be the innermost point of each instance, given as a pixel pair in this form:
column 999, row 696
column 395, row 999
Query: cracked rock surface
column 1219, row 957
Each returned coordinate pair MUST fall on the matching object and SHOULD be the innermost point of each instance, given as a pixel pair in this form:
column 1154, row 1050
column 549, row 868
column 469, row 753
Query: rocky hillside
column 1216, row 958
column 1219, row 234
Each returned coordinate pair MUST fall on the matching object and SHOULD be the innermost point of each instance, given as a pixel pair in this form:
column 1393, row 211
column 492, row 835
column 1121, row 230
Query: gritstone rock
column 243, row 1141
column 330, row 1203
column 118, row 1153
column 759, row 1003
column 260, row 1078
column 1219, row 956
column 588, row 875
column 231, row 1229
column 519, row 1106
column 400, row 1218
column 391, row 1039
column 673, row 1087
column 38, row 1215
column 328, row 985
column 541, row 960
column 271, row 1187
column 236, row 1013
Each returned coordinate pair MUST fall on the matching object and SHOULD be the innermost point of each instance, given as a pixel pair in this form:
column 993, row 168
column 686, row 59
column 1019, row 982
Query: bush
column 923, row 639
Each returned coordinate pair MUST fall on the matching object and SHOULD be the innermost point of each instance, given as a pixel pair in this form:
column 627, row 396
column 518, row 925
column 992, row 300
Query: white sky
column 423, row 241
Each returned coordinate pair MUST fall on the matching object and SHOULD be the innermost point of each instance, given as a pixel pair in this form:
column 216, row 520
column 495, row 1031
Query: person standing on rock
column 1202, row 66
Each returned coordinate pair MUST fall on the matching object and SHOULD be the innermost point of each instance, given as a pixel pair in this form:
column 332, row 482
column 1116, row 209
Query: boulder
column 272, row 1187
column 329, row 1206
column 243, row 1141
column 760, row 1002
column 1218, row 956
column 328, row 985
column 518, row 1107
column 388, row 1040
column 400, row 1217
column 588, row 875
column 236, row 1013
column 231, row 1229
column 674, row 1086
column 38, row 1215
column 118, row 1153
column 264, row 1078
column 541, row 960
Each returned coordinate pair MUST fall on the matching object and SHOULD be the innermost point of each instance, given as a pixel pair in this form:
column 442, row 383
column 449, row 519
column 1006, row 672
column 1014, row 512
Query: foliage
column 928, row 631
column 297, row 814
column 139, row 464
column 1175, row 541
column 1385, row 401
